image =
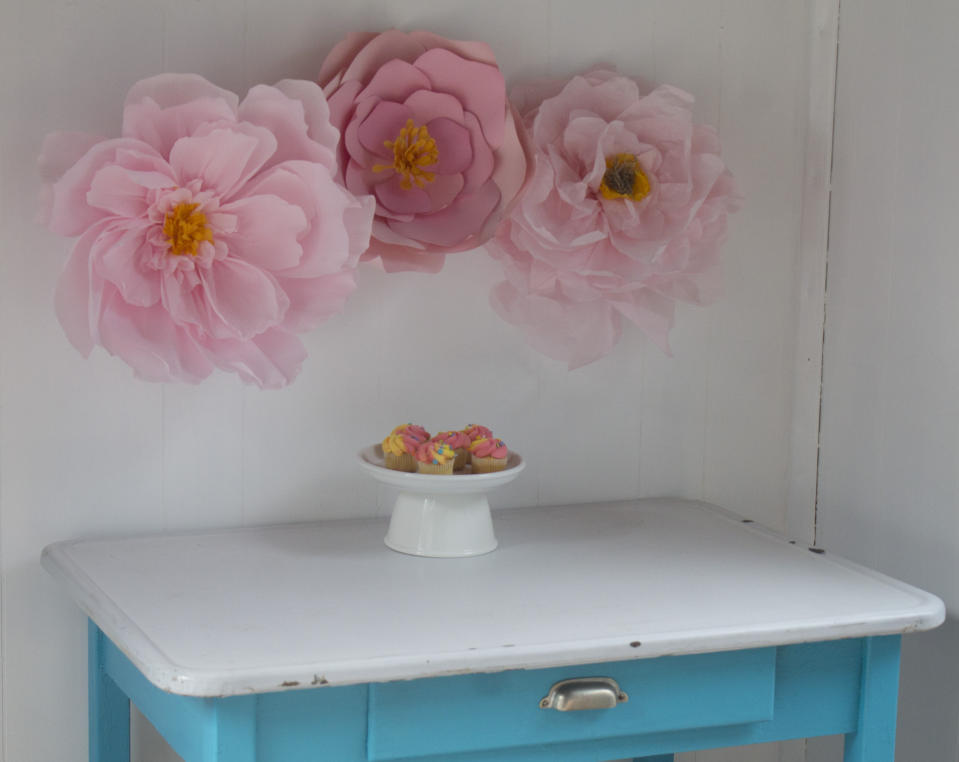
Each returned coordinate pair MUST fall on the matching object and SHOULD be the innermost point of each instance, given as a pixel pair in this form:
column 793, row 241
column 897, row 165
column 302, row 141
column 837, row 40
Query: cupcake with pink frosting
column 474, row 431
column 411, row 429
column 435, row 457
column 488, row 455
column 399, row 452
column 460, row 443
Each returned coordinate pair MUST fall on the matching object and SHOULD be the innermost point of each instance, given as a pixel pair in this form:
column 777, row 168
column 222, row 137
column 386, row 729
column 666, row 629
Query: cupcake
column 460, row 443
column 435, row 458
column 399, row 452
column 474, row 431
column 488, row 455
column 417, row 432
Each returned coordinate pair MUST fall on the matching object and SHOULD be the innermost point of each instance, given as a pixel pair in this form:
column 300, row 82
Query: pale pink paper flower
column 210, row 233
column 623, row 217
column 428, row 130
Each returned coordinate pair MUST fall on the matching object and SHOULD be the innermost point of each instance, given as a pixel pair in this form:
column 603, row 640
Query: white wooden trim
column 802, row 478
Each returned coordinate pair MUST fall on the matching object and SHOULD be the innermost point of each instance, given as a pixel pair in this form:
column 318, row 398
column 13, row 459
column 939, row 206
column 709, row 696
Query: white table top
column 273, row 608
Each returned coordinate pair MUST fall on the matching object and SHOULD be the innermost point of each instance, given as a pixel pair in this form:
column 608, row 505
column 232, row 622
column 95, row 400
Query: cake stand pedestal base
column 441, row 526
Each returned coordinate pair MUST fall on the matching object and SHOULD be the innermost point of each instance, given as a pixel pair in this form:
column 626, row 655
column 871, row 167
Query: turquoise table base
column 676, row 704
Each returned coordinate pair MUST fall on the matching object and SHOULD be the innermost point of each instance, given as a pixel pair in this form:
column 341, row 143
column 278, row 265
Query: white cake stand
column 440, row 516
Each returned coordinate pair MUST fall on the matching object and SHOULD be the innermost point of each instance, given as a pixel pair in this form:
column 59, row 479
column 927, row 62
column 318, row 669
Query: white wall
column 86, row 449
column 889, row 494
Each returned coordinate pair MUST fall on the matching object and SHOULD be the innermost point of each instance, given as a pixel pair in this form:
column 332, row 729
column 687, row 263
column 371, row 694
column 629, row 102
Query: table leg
column 109, row 707
column 875, row 737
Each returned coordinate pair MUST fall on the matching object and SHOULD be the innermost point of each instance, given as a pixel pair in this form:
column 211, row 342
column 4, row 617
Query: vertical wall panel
column 890, row 426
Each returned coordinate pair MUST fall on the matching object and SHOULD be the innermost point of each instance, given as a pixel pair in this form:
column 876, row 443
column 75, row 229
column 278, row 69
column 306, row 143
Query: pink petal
column 463, row 218
column 427, row 105
column 313, row 300
column 480, row 87
column 355, row 150
column 453, row 144
column 77, row 301
column 70, row 214
column 159, row 110
column 222, row 159
column 242, row 299
column 147, row 340
column 271, row 360
column 406, row 259
column 124, row 192
column 576, row 333
column 469, row 49
column 444, row 190
column 395, row 80
column 316, row 111
column 405, row 201
column 169, row 90
column 652, row 312
column 382, row 124
column 120, row 257
column 514, row 169
column 481, row 168
column 291, row 119
column 360, row 56
column 339, row 224
column 342, row 101
column 267, row 232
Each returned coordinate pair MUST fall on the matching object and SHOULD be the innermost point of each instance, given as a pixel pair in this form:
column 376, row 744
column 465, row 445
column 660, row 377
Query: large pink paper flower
column 209, row 234
column 428, row 130
column 624, row 215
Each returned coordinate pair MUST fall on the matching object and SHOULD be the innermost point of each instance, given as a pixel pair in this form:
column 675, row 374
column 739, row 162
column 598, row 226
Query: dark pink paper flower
column 210, row 233
column 427, row 129
column 624, row 216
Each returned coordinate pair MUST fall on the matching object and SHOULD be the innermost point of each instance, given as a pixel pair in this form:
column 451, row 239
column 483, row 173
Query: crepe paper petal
column 222, row 159
column 156, row 348
column 576, row 333
column 445, row 227
column 583, row 246
column 296, row 114
column 415, row 108
column 208, row 236
column 271, row 360
column 268, row 231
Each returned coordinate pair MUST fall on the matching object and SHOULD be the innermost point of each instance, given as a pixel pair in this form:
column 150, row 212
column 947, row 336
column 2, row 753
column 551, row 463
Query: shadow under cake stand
column 440, row 516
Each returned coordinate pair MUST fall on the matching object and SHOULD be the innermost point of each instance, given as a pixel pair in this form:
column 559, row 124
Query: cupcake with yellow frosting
column 399, row 452
column 460, row 444
column 435, row 457
column 488, row 455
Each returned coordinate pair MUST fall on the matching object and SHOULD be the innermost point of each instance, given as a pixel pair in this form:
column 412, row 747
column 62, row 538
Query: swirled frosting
column 474, row 431
column 455, row 439
column 417, row 432
column 486, row 447
column 435, row 452
column 400, row 444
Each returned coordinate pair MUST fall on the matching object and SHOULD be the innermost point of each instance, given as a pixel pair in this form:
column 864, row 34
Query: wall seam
column 825, row 302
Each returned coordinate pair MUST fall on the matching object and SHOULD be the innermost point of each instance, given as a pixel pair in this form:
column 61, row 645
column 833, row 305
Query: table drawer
column 445, row 715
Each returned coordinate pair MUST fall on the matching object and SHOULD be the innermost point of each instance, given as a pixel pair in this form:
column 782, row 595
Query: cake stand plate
column 440, row 516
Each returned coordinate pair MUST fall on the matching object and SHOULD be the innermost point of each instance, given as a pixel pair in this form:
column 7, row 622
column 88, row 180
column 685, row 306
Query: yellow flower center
column 413, row 150
column 624, row 178
column 186, row 227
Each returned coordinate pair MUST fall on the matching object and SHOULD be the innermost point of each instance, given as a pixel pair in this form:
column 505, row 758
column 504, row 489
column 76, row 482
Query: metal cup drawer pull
column 584, row 693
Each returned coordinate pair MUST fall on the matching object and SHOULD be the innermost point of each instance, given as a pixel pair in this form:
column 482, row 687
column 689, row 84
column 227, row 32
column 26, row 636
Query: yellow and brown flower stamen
column 186, row 228
column 413, row 149
column 624, row 178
